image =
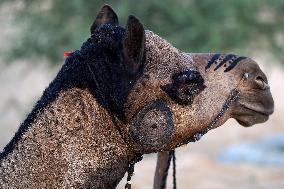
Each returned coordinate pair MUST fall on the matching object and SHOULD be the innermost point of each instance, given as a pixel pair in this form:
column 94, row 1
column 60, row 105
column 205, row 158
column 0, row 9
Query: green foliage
column 53, row 26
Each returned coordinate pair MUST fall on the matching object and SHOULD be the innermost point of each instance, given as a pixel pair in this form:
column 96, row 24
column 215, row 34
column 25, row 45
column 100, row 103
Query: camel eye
column 246, row 75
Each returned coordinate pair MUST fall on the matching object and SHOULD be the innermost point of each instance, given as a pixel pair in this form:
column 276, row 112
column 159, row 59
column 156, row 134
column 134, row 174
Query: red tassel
column 67, row 53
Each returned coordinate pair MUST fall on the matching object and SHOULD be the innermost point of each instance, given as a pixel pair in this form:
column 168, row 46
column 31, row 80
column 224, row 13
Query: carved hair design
column 152, row 125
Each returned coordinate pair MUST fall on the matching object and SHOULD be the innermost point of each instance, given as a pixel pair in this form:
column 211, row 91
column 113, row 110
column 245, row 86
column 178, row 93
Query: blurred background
column 34, row 34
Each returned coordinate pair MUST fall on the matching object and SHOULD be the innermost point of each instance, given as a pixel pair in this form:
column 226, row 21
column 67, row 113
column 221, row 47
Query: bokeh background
column 34, row 34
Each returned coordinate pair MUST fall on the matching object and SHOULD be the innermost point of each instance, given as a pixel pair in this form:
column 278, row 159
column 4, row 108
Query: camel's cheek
column 189, row 120
column 185, row 124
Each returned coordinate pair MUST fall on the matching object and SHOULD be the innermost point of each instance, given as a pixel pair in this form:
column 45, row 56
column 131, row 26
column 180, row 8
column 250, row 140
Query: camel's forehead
column 161, row 55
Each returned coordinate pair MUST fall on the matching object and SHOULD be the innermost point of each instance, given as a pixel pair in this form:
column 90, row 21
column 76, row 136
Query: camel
column 125, row 93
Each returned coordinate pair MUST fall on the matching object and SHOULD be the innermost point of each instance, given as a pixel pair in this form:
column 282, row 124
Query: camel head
column 227, row 71
column 172, row 97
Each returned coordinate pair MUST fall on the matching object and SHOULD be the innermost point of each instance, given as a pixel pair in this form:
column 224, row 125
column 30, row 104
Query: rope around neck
column 233, row 96
column 174, row 169
column 229, row 101
column 130, row 170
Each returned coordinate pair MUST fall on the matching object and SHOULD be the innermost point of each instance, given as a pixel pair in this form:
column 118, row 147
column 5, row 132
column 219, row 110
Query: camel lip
column 249, row 116
column 261, row 112
column 244, row 123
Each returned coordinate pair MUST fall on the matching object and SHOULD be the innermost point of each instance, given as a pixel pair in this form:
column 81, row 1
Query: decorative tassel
column 67, row 53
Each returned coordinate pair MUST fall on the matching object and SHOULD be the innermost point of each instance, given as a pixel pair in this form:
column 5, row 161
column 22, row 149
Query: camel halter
column 233, row 96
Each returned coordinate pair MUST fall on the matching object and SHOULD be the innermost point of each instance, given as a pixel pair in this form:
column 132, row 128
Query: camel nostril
column 261, row 83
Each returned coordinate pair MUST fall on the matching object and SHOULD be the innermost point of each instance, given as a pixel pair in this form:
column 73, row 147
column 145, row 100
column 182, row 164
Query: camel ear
column 134, row 44
column 105, row 16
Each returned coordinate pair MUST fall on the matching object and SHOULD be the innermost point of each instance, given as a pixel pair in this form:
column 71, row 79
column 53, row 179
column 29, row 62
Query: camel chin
column 249, row 115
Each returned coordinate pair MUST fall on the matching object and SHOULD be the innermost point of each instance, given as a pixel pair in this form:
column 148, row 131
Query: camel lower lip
column 248, row 116
column 244, row 123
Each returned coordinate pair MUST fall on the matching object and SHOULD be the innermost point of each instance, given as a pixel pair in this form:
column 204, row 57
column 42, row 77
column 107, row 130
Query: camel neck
column 71, row 143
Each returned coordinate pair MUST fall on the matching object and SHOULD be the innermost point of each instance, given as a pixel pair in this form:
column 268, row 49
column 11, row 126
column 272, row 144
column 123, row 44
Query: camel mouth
column 248, row 116
column 260, row 112
column 265, row 111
